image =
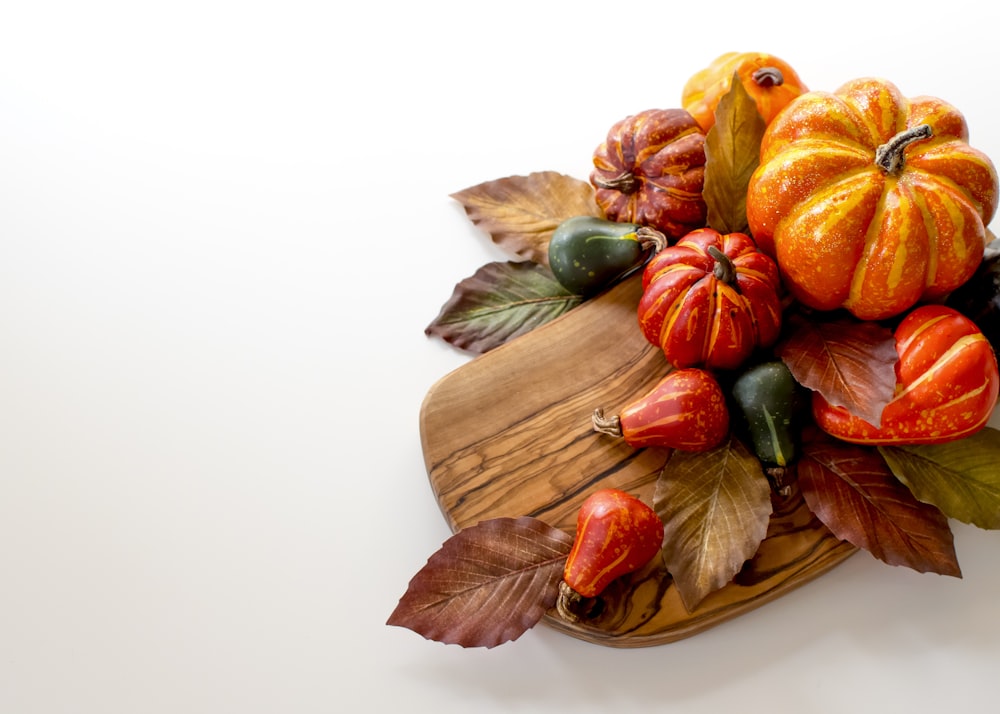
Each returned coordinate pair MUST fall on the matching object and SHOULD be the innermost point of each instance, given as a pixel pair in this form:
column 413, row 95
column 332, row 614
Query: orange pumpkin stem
column 768, row 77
column 889, row 156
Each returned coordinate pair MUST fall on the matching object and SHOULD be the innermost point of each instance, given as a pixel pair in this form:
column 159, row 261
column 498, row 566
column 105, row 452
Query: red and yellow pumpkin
column 870, row 201
column 710, row 300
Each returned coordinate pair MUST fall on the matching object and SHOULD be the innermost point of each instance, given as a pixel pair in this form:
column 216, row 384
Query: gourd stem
column 612, row 426
column 889, row 156
column 768, row 77
column 624, row 182
column 724, row 269
column 651, row 239
column 574, row 607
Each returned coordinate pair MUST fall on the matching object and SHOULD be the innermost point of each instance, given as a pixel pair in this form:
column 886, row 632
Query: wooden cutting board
column 509, row 434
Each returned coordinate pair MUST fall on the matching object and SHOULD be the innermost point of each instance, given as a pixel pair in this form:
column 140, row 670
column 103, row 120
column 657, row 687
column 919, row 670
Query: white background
column 223, row 229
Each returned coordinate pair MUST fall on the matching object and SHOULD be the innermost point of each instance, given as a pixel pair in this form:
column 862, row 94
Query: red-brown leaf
column 520, row 212
column 487, row 584
column 851, row 363
column 851, row 490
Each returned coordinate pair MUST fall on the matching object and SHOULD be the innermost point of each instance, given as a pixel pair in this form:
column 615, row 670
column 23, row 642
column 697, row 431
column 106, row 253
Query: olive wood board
column 509, row 434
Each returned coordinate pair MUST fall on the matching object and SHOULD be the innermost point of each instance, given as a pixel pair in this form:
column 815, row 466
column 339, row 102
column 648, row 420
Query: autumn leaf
column 487, row 584
column 520, row 212
column 501, row 301
column 852, row 492
column 960, row 477
column 732, row 152
column 851, row 363
column 715, row 508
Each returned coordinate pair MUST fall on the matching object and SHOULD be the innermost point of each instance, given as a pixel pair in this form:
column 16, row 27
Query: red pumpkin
column 710, row 300
column 946, row 384
column 651, row 170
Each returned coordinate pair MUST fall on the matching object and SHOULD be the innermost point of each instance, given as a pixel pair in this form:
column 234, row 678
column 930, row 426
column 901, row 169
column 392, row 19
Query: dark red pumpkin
column 710, row 300
column 651, row 170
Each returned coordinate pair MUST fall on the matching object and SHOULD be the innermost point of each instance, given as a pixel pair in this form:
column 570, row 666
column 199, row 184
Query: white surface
column 223, row 229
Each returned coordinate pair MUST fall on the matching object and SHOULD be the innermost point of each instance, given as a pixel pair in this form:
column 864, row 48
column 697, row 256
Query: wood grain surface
column 509, row 434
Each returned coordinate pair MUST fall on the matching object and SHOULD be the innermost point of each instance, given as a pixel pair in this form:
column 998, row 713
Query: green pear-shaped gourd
column 587, row 254
column 769, row 397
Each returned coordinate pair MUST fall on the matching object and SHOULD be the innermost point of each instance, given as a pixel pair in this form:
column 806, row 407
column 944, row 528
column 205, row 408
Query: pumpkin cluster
column 863, row 202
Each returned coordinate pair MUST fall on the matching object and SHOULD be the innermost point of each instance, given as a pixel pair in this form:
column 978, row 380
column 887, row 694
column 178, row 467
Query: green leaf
column 501, row 301
column 715, row 507
column 487, row 584
column 960, row 477
column 732, row 152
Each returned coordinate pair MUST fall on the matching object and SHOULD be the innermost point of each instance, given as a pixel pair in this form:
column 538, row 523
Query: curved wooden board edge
column 509, row 434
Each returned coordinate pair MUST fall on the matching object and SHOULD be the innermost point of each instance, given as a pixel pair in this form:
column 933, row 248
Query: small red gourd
column 616, row 534
column 685, row 410
column 710, row 300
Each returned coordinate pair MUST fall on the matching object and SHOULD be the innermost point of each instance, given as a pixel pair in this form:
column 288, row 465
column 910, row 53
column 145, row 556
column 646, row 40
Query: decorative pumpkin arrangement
column 810, row 269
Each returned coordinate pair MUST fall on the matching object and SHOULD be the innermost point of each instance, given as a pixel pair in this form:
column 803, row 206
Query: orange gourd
column 770, row 81
column 870, row 201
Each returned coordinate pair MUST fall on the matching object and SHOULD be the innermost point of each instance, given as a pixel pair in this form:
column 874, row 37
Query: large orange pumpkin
column 770, row 81
column 871, row 201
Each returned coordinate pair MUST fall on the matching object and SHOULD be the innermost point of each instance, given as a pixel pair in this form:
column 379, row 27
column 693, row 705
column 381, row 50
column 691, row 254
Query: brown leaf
column 852, row 492
column 499, row 302
column 520, row 212
column 487, row 584
column 851, row 363
column 732, row 152
column 715, row 507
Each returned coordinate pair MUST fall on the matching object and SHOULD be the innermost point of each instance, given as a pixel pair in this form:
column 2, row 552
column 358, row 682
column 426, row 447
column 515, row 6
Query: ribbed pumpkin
column 870, row 201
column 650, row 170
column 770, row 81
column 710, row 300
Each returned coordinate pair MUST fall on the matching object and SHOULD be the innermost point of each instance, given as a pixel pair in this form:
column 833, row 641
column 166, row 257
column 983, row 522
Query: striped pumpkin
column 871, row 201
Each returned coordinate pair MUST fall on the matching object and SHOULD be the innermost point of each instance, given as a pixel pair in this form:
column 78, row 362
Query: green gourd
column 769, row 398
column 587, row 254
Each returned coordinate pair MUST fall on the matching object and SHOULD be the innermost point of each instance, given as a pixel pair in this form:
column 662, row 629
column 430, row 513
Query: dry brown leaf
column 520, row 212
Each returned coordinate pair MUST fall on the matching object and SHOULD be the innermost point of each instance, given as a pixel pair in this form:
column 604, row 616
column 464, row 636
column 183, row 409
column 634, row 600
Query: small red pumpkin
column 650, row 170
column 710, row 300
column 946, row 384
